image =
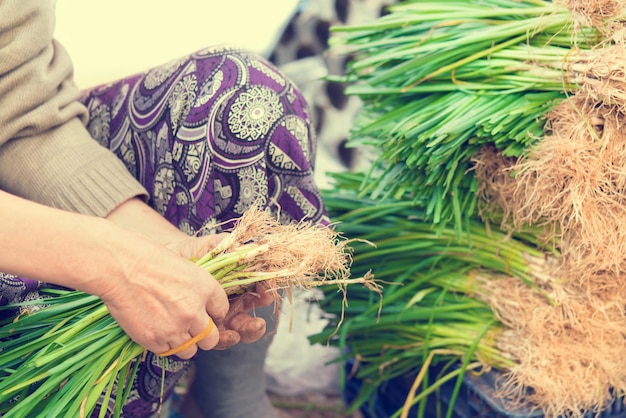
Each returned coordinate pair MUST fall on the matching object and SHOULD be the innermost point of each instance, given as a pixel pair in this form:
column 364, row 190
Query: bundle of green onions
column 440, row 80
column 531, row 96
column 436, row 307
column 485, row 299
column 65, row 354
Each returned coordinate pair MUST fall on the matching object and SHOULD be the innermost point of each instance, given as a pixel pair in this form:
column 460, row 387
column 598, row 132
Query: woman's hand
column 163, row 300
column 238, row 325
column 134, row 260
column 159, row 298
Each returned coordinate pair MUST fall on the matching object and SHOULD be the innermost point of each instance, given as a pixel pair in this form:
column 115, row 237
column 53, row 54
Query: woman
column 110, row 191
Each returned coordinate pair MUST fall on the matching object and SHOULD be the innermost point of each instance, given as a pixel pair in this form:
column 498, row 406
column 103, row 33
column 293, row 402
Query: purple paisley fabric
column 208, row 135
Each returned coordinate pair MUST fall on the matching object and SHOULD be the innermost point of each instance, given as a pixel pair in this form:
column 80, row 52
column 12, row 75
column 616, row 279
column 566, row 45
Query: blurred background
column 115, row 38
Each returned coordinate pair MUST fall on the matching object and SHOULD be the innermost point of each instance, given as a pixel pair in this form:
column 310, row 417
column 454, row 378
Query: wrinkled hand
column 239, row 325
column 164, row 299
column 160, row 299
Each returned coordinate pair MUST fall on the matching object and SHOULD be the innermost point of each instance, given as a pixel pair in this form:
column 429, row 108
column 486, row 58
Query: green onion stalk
column 434, row 312
column 440, row 80
column 64, row 354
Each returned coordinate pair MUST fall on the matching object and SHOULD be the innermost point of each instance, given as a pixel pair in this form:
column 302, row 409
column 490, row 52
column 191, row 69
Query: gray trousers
column 231, row 383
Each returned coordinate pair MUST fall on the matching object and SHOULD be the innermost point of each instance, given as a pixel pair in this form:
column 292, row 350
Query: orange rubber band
column 205, row 333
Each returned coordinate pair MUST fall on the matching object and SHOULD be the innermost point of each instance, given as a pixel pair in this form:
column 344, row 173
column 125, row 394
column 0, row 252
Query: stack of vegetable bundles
column 496, row 201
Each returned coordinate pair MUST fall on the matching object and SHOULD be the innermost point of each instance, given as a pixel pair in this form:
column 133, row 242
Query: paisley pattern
column 208, row 135
column 254, row 112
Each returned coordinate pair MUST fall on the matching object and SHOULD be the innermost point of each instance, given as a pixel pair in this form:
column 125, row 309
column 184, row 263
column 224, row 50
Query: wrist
column 104, row 258
column 135, row 216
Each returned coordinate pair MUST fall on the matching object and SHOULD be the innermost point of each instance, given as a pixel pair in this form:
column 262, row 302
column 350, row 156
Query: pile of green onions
column 65, row 354
column 440, row 80
column 433, row 312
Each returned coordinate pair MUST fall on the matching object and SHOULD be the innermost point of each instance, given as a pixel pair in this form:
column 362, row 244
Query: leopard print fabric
column 303, row 54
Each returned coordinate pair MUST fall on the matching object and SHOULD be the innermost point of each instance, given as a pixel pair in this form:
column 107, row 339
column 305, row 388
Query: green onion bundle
column 440, row 80
column 58, row 360
column 435, row 310
column 485, row 299
column 65, row 354
column 518, row 103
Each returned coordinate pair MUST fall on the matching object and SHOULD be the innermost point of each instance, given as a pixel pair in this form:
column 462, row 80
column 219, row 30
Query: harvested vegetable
column 573, row 183
column 515, row 108
column 64, row 355
column 433, row 313
column 440, row 80
column 491, row 299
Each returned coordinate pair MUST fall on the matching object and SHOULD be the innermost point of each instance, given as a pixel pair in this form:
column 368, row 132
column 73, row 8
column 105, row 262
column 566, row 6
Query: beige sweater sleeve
column 46, row 153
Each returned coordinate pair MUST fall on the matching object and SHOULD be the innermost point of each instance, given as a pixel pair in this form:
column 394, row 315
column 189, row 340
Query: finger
column 206, row 339
column 249, row 329
column 183, row 351
column 210, row 340
column 211, row 241
column 184, row 354
column 196, row 247
column 228, row 338
column 217, row 304
column 266, row 296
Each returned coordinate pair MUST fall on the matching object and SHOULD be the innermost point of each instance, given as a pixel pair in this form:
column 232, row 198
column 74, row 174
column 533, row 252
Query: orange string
column 205, row 333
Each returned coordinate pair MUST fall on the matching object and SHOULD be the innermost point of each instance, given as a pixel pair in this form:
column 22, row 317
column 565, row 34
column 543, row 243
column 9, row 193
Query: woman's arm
column 158, row 297
column 136, row 216
column 46, row 153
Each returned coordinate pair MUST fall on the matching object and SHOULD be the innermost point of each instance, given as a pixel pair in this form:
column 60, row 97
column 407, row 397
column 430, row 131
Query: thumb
column 196, row 247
